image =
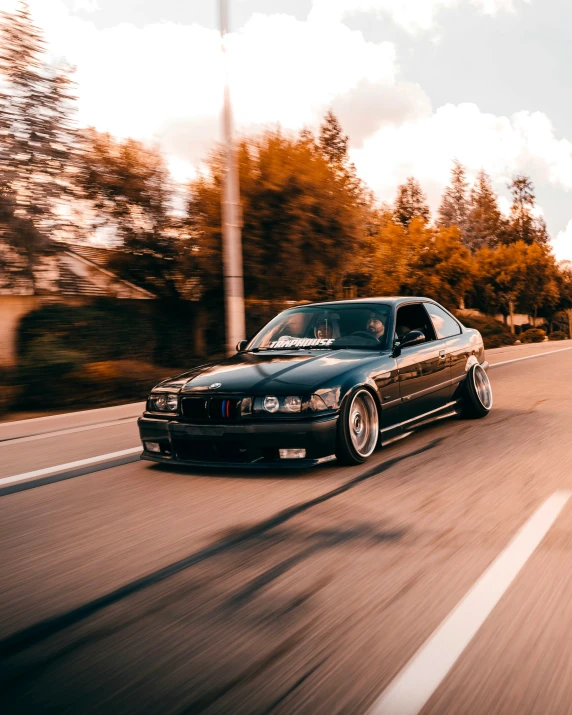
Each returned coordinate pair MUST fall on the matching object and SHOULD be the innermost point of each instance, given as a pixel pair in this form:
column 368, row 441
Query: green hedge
column 534, row 335
column 557, row 335
column 102, row 352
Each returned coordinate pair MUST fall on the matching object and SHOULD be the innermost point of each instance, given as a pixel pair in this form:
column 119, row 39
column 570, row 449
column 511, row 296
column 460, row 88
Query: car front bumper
column 239, row 445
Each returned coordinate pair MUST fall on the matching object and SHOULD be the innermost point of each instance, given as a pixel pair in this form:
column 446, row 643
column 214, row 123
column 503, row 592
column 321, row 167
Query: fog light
column 292, row 453
column 152, row 446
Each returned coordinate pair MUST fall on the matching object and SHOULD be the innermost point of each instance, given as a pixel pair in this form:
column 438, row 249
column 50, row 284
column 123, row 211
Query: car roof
column 386, row 300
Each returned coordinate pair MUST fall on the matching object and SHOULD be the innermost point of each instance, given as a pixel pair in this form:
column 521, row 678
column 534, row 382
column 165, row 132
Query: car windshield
column 314, row 327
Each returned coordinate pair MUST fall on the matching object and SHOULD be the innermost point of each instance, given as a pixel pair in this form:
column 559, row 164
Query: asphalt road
column 435, row 579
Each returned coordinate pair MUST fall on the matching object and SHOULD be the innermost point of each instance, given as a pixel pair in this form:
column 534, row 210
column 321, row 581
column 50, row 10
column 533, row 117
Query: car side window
column 445, row 326
column 413, row 317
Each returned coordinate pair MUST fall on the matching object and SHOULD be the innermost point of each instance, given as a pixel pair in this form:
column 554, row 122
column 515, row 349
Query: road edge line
column 48, row 471
column 527, row 357
column 62, row 476
column 414, row 685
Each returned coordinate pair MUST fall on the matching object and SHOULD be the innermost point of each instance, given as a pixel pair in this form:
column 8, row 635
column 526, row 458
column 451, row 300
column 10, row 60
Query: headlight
column 292, row 404
column 272, row 404
column 163, row 402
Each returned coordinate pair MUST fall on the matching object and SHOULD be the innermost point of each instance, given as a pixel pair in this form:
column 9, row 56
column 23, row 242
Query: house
column 75, row 274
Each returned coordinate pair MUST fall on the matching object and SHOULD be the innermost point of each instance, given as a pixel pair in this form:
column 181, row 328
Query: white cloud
column 426, row 146
column 164, row 81
column 413, row 15
column 86, row 5
column 562, row 244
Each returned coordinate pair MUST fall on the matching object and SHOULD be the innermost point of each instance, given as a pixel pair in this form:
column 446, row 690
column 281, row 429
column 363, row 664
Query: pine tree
column 332, row 141
column 523, row 225
column 454, row 207
column 485, row 223
column 411, row 202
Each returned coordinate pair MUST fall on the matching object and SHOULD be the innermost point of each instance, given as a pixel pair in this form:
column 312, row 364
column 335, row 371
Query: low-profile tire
column 478, row 394
column 358, row 427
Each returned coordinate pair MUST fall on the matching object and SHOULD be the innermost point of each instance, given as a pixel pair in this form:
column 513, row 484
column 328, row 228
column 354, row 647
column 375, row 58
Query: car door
column 449, row 333
column 423, row 369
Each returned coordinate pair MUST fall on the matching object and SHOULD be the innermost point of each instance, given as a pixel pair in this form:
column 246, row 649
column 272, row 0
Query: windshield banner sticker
column 301, row 342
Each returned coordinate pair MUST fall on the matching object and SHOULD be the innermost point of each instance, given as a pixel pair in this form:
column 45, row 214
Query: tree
column 420, row 260
column 303, row 229
column 485, row 223
column 445, row 268
column 332, row 140
column 454, row 207
column 523, row 225
column 501, row 275
column 540, row 292
column 410, row 203
column 128, row 188
column 563, row 308
column 37, row 142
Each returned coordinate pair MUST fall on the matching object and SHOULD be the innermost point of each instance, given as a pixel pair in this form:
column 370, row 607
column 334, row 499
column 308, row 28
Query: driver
column 375, row 325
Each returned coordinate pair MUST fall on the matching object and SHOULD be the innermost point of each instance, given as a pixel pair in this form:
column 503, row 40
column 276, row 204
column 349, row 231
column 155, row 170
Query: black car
column 320, row 382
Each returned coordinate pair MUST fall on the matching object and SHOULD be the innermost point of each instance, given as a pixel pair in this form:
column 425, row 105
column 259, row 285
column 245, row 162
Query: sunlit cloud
column 412, row 15
column 562, row 244
column 425, row 148
column 163, row 83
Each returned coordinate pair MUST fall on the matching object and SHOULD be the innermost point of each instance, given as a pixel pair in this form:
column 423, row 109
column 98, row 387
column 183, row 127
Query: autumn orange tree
column 304, row 220
column 501, row 275
column 419, row 259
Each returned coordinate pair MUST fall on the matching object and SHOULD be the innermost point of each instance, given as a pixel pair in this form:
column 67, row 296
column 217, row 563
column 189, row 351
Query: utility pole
column 231, row 215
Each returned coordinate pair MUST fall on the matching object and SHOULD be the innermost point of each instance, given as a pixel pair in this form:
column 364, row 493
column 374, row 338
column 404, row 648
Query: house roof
column 96, row 254
column 72, row 271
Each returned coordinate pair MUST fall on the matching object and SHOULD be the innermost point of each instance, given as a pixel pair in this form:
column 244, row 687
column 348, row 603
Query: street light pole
column 231, row 218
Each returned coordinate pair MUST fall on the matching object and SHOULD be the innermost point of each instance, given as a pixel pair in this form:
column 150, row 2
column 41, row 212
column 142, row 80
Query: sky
column 415, row 83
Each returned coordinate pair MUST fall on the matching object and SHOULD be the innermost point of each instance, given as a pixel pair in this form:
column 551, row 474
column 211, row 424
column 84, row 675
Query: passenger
column 323, row 329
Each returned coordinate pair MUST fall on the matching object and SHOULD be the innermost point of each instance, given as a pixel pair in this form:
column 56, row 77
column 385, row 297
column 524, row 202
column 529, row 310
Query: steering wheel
column 364, row 334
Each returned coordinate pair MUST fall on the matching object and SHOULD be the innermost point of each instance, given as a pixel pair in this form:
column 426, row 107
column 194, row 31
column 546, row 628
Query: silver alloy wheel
column 483, row 387
column 364, row 423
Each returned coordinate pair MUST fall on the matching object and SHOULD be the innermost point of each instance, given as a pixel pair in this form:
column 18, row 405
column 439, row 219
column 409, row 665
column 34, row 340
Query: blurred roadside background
column 111, row 272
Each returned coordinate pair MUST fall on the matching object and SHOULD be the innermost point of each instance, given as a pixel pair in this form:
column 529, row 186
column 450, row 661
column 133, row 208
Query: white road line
column 70, row 465
column 527, row 357
column 419, row 679
column 58, row 433
column 78, row 413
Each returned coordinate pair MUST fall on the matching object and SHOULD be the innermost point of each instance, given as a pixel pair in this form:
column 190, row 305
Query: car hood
column 270, row 372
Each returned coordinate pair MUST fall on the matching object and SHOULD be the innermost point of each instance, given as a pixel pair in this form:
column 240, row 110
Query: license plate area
column 197, row 431
column 221, row 450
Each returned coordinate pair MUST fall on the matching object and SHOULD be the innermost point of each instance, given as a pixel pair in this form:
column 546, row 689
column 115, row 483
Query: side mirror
column 241, row 345
column 413, row 337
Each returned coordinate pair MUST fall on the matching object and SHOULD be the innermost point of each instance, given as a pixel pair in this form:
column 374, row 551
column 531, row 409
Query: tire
column 358, row 427
column 478, row 394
